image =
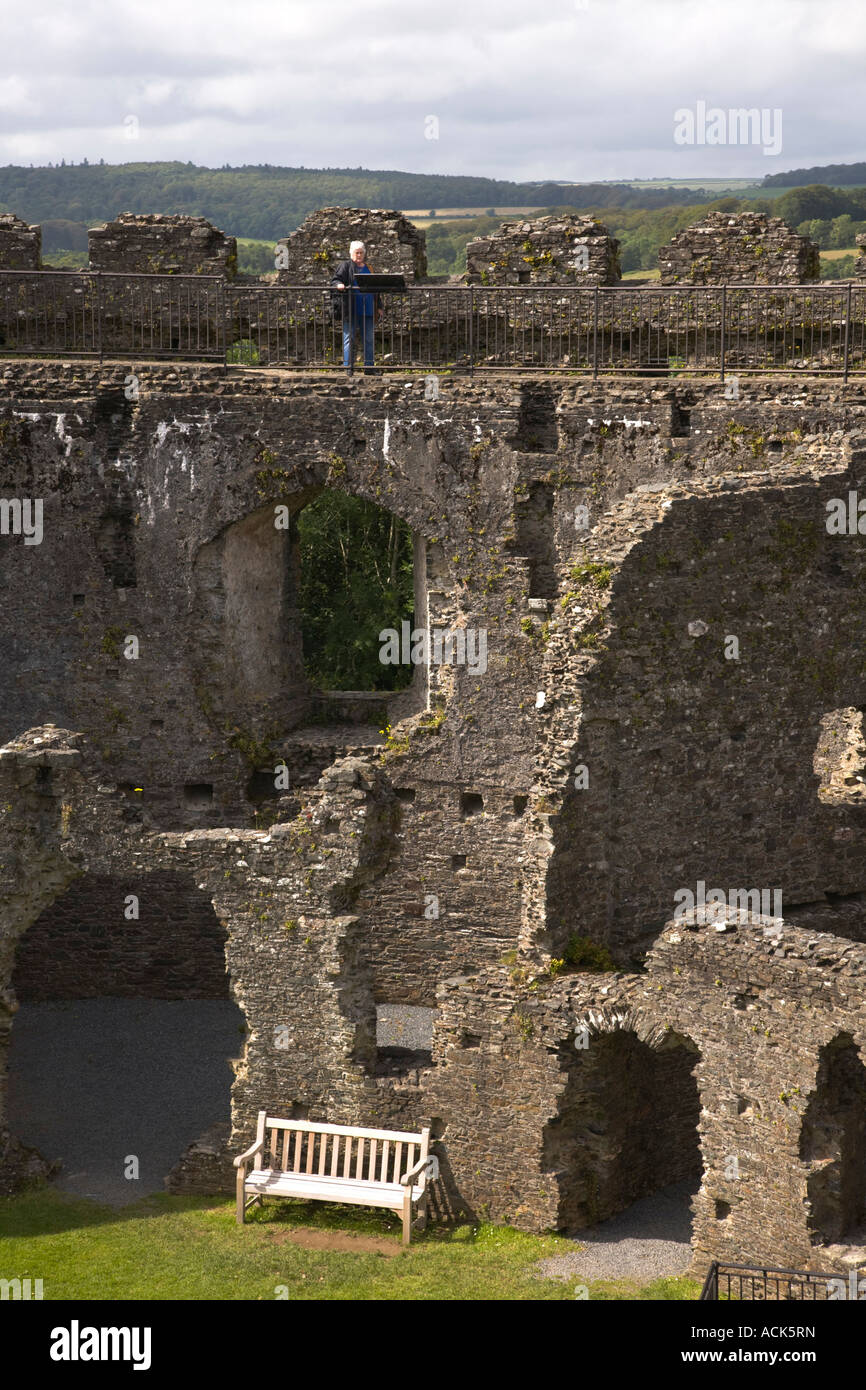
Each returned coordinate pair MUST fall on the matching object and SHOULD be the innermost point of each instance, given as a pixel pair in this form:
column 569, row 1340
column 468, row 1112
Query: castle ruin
column 670, row 713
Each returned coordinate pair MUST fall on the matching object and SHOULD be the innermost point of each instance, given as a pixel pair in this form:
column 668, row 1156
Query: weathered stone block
column 20, row 244
column 545, row 251
column 743, row 248
column 311, row 254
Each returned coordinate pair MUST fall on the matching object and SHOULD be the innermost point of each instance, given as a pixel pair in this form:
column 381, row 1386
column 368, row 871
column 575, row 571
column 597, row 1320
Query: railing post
column 222, row 328
column 595, row 333
column 98, row 274
column 722, row 345
column 349, row 292
column 847, row 323
column 471, row 329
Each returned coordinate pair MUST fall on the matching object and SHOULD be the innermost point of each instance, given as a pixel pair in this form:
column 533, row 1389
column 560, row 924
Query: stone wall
column 95, row 940
column 743, row 248
column 20, row 244
column 518, row 824
column 162, row 244
column 555, row 250
column 394, row 245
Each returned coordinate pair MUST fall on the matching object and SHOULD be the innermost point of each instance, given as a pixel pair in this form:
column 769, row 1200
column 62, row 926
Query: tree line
column 271, row 201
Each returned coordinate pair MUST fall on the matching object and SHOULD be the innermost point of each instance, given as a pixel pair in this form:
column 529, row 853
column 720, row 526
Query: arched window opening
column 356, row 580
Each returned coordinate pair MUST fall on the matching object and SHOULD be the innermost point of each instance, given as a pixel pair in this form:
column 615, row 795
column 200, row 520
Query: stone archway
column 125, row 1031
column 627, row 1121
column 253, row 669
column 833, row 1146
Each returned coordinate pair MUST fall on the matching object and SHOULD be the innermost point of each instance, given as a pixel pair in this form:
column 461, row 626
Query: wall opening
column 840, row 756
column 533, row 517
column 355, row 580
column 289, row 617
column 833, row 1146
column 627, row 1128
column 122, row 1045
column 115, row 541
column 404, row 1037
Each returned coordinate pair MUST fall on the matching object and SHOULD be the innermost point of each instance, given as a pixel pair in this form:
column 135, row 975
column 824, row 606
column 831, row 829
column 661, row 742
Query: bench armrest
column 254, row 1149
column 413, row 1172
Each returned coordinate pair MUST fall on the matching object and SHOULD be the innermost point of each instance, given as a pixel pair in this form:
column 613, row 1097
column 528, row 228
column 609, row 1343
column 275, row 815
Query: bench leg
column 407, row 1217
column 240, row 1198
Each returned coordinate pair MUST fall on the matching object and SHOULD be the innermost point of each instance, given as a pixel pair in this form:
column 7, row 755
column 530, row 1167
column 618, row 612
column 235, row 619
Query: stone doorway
column 833, row 1147
column 120, row 1053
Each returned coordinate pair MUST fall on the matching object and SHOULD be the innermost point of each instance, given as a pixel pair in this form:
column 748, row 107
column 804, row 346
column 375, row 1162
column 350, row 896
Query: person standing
column 365, row 311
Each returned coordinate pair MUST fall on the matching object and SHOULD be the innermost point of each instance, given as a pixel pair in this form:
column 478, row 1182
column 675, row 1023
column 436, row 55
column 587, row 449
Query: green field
column 191, row 1248
column 715, row 186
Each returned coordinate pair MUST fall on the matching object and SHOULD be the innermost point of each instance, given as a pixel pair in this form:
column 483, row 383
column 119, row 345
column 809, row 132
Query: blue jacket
column 365, row 304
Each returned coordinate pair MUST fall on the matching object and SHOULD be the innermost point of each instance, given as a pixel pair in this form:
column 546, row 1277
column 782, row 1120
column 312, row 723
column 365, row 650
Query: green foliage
column 582, row 953
column 842, row 268
column 255, row 257
column 835, row 173
column 243, row 351
column 265, row 200
column 591, row 573
column 111, row 640
column 356, row 579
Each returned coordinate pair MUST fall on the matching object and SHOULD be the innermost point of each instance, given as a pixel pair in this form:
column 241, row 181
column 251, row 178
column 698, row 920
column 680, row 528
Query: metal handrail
column 645, row 330
column 761, row 1274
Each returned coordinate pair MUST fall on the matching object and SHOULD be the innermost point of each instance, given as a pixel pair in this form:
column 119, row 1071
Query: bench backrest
column 338, row 1151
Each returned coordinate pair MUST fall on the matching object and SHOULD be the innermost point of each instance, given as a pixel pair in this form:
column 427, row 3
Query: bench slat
column 305, row 1126
column 410, row 1160
column 311, row 1144
column 359, row 1165
column 335, row 1156
column 323, row 1152
column 398, row 1171
column 296, row 1161
column 315, row 1189
column 383, row 1172
column 347, row 1157
column 371, row 1166
column 275, row 1141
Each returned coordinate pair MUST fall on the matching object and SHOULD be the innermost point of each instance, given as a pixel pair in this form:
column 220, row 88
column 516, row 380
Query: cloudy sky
column 567, row 89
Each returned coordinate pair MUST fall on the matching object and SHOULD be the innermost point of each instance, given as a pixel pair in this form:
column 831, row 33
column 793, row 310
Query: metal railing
column 645, row 331
column 755, row 1283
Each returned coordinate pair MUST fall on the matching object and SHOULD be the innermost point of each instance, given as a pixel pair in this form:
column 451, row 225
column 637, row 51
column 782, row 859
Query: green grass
column 190, row 1248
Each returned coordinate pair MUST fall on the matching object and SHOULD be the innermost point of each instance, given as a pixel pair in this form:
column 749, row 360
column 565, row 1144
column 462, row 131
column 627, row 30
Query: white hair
column 354, row 247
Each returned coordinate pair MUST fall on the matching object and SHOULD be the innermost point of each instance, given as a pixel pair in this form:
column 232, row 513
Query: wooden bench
column 337, row 1163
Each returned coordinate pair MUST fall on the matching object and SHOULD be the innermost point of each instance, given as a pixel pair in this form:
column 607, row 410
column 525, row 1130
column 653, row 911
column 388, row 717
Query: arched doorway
column 121, row 1047
column 292, row 600
column 833, row 1146
column 626, row 1128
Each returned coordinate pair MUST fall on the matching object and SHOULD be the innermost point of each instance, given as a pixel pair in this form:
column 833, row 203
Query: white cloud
column 553, row 92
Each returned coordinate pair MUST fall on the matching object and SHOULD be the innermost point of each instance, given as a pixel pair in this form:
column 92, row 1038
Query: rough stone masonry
column 670, row 706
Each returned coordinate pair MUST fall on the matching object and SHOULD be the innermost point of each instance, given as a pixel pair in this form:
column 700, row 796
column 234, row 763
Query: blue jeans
column 364, row 326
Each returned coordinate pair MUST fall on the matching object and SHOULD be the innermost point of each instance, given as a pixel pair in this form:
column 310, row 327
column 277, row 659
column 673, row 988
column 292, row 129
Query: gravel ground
column 650, row 1240
column 404, row 1025
column 93, row 1080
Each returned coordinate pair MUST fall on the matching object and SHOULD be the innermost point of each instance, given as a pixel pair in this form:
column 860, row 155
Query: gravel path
column 650, row 1240
column 94, row 1080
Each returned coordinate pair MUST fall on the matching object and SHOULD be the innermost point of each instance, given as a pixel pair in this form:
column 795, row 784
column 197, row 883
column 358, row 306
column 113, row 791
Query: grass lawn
column 190, row 1248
